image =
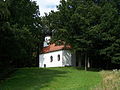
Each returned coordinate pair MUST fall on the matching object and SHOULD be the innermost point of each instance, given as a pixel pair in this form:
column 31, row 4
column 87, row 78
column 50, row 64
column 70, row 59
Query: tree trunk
column 88, row 64
column 37, row 57
column 85, row 62
column 80, row 59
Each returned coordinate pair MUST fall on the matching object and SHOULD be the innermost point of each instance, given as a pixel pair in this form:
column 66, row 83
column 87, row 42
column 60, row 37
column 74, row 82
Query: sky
column 47, row 5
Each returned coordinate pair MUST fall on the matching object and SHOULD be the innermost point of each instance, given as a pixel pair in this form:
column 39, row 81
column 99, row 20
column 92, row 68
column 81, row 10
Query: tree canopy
column 20, row 32
column 91, row 27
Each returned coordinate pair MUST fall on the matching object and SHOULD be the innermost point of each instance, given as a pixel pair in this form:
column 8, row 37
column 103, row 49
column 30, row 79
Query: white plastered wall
column 67, row 56
column 45, row 59
column 65, row 59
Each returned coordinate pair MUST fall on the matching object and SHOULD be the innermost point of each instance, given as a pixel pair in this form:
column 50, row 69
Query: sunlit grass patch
column 67, row 78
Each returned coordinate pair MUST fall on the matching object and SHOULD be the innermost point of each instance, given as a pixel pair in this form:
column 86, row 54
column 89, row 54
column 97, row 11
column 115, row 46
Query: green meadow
column 67, row 78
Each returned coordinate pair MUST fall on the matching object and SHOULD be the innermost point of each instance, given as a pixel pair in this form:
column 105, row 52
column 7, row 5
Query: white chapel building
column 53, row 55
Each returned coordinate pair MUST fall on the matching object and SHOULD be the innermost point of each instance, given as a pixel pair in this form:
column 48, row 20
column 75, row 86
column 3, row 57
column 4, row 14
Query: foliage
column 20, row 32
column 91, row 27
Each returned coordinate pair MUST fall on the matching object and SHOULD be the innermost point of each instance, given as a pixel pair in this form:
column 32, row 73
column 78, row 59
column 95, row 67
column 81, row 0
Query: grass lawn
column 67, row 78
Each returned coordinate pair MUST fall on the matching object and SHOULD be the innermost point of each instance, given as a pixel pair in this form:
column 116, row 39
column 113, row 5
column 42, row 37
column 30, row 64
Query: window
column 58, row 57
column 51, row 58
column 46, row 39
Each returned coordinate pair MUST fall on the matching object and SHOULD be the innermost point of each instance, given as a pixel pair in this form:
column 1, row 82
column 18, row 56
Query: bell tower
column 46, row 41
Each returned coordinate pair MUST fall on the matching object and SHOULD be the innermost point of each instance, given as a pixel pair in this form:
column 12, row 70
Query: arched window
column 51, row 58
column 58, row 57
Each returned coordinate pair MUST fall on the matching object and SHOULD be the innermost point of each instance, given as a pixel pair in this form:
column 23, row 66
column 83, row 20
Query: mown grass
column 67, row 78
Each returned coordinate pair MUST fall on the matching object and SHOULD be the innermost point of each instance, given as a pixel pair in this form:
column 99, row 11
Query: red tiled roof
column 54, row 47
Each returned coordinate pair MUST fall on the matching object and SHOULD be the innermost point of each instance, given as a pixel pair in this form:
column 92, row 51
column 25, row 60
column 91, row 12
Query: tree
column 4, row 26
column 22, row 34
column 89, row 27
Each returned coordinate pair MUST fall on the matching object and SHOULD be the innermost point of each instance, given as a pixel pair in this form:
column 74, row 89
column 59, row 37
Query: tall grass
column 111, row 80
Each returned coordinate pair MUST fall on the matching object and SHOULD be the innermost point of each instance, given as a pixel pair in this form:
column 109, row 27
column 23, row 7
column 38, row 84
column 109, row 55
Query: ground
column 110, row 80
column 67, row 78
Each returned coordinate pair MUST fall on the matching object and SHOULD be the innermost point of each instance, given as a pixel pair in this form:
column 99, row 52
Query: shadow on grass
column 5, row 73
column 31, row 79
